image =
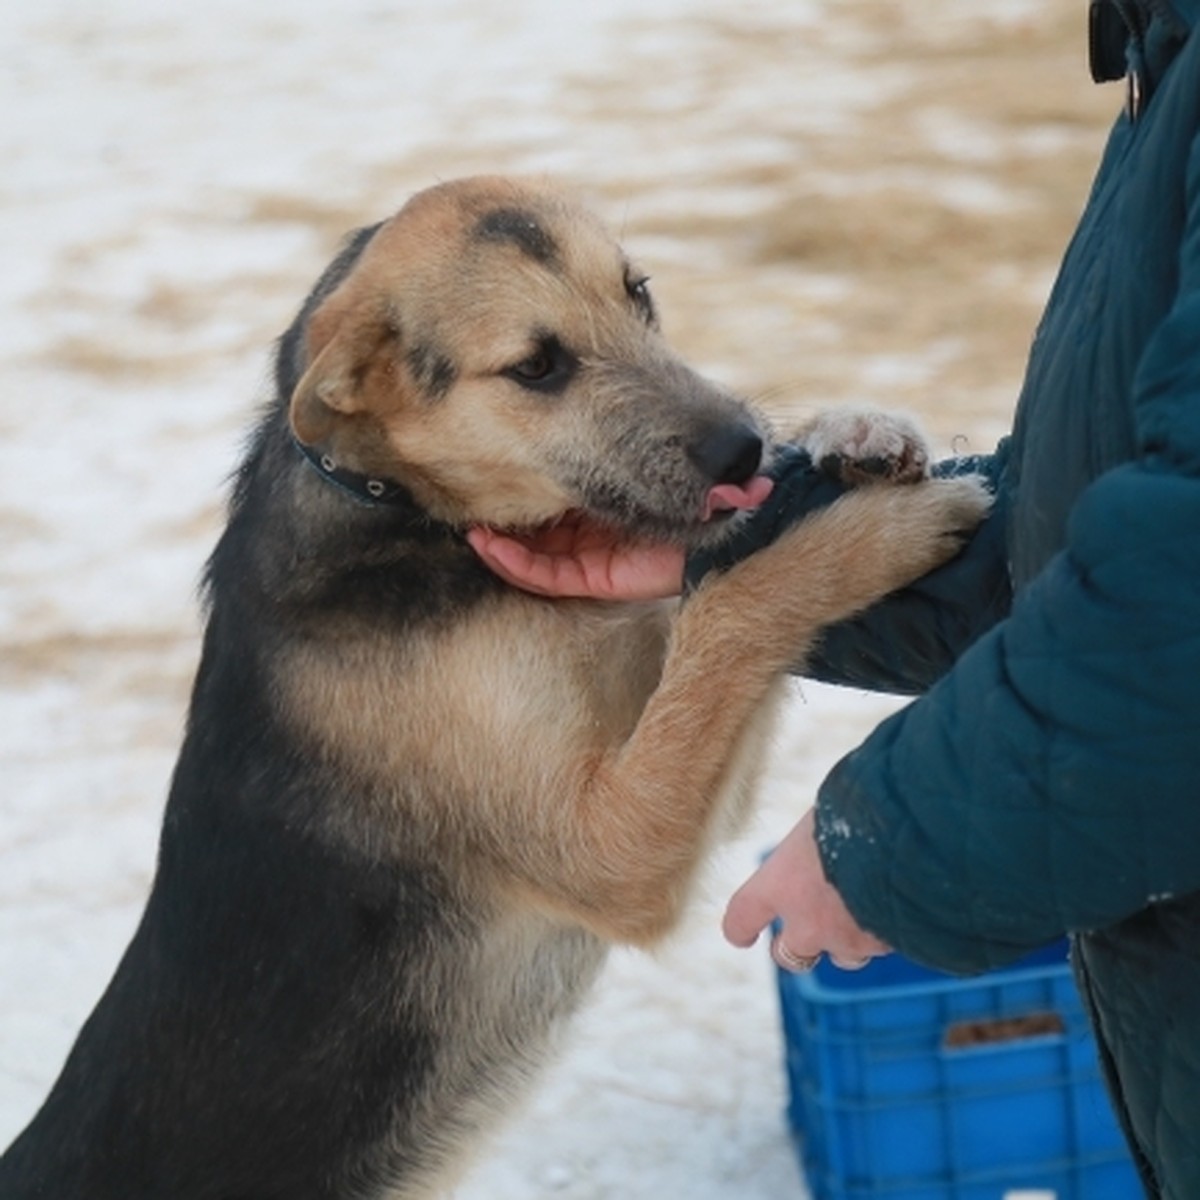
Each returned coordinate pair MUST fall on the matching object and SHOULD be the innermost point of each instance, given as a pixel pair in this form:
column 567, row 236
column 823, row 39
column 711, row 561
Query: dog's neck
column 366, row 489
column 392, row 500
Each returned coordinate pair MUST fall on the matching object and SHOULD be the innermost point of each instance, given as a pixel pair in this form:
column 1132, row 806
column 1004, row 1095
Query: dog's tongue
column 726, row 497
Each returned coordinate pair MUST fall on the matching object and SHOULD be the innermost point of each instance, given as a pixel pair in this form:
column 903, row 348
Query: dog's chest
column 502, row 1002
column 617, row 659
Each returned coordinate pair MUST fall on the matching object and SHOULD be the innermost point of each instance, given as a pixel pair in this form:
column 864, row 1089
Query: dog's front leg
column 642, row 814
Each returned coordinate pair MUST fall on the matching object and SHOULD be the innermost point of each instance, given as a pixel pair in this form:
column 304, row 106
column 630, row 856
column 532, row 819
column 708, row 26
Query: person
column 1047, row 778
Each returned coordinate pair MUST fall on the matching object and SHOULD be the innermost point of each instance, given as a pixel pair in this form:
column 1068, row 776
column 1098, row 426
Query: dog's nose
column 729, row 453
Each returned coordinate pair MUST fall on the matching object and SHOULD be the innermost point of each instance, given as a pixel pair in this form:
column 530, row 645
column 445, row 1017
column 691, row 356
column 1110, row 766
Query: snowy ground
column 836, row 201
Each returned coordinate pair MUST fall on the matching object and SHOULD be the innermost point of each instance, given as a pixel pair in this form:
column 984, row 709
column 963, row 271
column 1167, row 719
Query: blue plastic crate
column 887, row 1104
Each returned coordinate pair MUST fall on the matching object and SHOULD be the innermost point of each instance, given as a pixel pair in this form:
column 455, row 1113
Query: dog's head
column 493, row 350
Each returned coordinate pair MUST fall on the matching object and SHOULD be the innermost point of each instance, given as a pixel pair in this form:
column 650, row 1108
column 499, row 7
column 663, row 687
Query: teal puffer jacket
column 1047, row 780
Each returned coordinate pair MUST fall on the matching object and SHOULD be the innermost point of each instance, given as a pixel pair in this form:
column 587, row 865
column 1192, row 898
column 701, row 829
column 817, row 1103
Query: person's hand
column 579, row 558
column 791, row 887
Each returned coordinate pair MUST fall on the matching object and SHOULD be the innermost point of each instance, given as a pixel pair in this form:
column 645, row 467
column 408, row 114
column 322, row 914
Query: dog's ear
column 345, row 337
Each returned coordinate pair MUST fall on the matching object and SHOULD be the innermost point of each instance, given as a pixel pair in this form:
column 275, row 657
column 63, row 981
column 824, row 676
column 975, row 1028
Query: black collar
column 366, row 489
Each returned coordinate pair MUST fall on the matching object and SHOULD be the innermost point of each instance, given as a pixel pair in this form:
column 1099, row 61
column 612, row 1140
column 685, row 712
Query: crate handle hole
column 967, row 1035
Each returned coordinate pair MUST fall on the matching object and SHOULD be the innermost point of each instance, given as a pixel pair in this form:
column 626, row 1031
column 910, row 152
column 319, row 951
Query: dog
column 413, row 805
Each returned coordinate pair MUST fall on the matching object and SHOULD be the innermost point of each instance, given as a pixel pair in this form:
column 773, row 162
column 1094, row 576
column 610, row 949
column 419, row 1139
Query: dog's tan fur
column 571, row 760
column 468, row 791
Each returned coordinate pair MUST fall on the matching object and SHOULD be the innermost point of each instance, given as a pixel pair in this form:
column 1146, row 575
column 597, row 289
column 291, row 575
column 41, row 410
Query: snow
column 175, row 177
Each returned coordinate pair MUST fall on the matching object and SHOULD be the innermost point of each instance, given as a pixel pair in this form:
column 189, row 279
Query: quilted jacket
column 1047, row 780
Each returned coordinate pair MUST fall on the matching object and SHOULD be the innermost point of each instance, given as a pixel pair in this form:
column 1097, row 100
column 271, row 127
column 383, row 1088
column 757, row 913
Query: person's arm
column 578, row 558
column 901, row 644
column 912, row 637
column 1048, row 783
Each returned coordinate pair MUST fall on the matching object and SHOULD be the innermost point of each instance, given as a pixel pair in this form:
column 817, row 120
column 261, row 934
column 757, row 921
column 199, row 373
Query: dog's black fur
column 414, row 806
column 242, row 1051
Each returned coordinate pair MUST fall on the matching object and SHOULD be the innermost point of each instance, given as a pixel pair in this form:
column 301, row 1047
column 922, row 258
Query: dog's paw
column 857, row 445
column 923, row 526
column 961, row 505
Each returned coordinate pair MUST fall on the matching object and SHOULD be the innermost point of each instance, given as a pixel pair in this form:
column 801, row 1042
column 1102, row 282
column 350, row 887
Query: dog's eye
column 535, row 368
column 638, row 290
column 548, row 369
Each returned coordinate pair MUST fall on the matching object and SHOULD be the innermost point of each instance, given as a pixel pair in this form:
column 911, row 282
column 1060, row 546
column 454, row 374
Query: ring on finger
column 791, row 961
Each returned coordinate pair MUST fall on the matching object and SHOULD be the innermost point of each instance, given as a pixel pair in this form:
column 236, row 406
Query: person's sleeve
column 1051, row 781
column 912, row 637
